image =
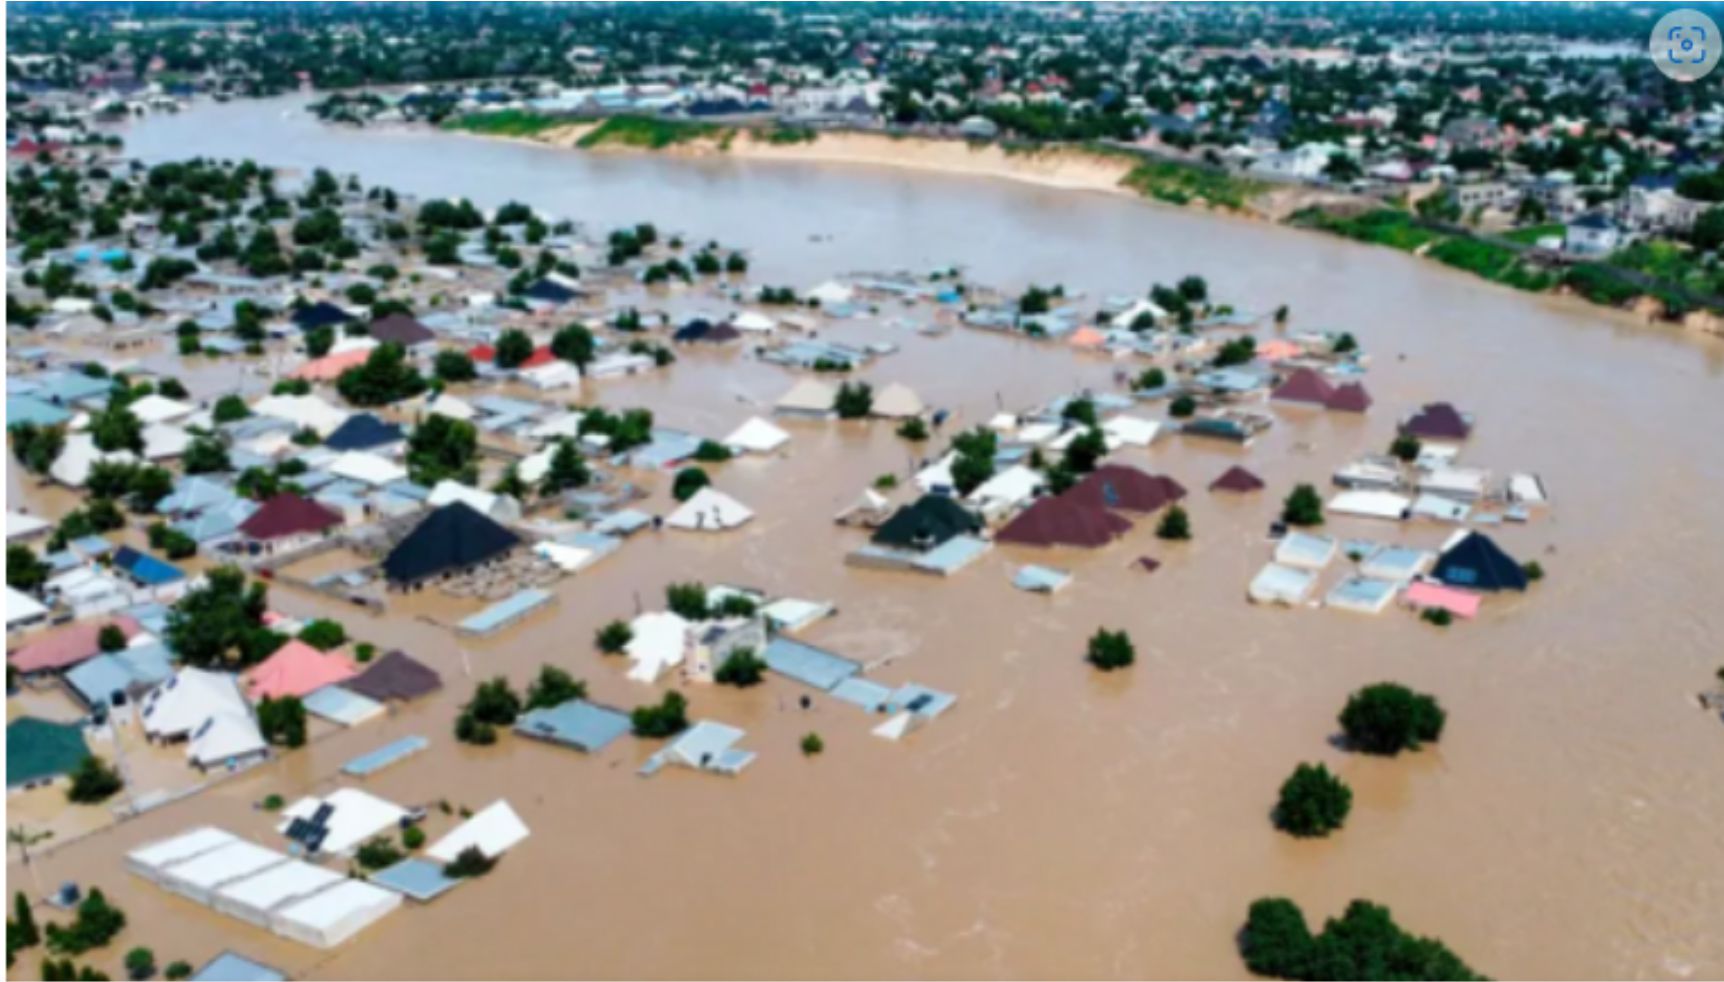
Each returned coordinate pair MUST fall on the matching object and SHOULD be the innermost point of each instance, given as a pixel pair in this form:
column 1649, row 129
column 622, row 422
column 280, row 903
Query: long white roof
column 756, row 436
column 357, row 817
column 495, row 830
column 710, row 510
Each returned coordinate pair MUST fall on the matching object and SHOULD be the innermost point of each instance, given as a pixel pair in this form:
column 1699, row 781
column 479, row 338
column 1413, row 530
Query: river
column 1058, row 822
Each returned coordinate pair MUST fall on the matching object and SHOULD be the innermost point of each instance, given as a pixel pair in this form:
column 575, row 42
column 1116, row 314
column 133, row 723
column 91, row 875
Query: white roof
column 164, row 440
column 20, row 525
column 484, row 502
column 223, row 864
column 21, row 607
column 351, row 342
column 1007, row 488
column 897, row 401
column 1305, row 550
column 552, row 375
column 153, row 857
column 157, row 408
column 330, row 917
column 495, row 830
column 756, row 436
column 936, row 475
column 831, row 292
column 1454, row 481
column 533, row 467
column 659, row 641
column 567, row 557
column 1524, row 488
column 255, row 896
column 1276, row 583
column 357, row 817
column 72, row 467
column 1003, row 423
column 752, row 320
column 1037, row 433
column 1131, row 431
column 304, row 412
column 453, row 407
column 225, row 736
column 710, row 510
column 562, row 424
column 181, row 704
column 1369, row 504
column 1441, row 508
column 808, row 395
column 367, row 468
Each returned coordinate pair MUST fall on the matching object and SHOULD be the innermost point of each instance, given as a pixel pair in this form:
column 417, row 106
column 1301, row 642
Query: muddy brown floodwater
column 1060, row 822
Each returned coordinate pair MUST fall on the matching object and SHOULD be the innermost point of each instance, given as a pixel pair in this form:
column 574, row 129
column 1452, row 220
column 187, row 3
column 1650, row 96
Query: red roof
column 1237, row 479
column 1127, row 488
column 1350, row 398
column 1063, row 521
column 66, row 646
column 288, row 514
column 1304, row 385
column 297, row 669
column 541, row 356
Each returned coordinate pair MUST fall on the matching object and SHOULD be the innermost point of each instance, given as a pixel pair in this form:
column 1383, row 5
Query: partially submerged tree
column 1313, row 802
column 1109, row 650
column 1388, row 718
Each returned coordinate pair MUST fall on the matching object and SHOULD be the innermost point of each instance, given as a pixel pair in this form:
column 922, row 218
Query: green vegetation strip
column 1179, row 184
column 505, row 122
column 650, row 133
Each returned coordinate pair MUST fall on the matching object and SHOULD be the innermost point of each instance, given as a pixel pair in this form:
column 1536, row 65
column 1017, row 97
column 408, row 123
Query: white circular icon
column 1685, row 45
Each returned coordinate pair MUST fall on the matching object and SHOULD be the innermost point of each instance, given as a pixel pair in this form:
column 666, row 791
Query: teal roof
column 37, row 749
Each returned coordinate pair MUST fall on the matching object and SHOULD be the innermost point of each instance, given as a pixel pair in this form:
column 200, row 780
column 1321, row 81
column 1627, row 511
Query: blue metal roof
column 576, row 723
column 420, row 879
column 145, row 568
column 229, row 967
column 370, row 763
column 807, row 664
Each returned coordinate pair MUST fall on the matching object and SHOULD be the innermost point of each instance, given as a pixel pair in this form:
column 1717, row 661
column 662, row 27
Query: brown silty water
column 1062, row 822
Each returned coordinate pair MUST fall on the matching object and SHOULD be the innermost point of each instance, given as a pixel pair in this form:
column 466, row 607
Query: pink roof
column 1457, row 602
column 329, row 367
column 297, row 669
column 67, row 646
column 1278, row 349
column 1088, row 337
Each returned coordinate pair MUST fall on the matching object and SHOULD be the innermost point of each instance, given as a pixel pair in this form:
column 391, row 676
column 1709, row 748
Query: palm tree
column 21, row 836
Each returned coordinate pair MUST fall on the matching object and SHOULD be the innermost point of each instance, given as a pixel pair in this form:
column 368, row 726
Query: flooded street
column 1060, row 822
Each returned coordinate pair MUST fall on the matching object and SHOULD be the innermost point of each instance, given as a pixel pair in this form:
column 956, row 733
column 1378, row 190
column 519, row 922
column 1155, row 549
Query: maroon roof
column 1127, row 488
column 288, row 514
column 400, row 329
column 1438, row 421
column 1063, row 521
column 1350, row 398
column 1237, row 479
column 1304, row 385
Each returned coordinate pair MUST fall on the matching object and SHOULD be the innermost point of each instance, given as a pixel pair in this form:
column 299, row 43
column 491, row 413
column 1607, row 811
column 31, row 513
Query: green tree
column 687, row 600
column 812, row 745
column 230, row 408
column 574, row 344
column 93, row 781
column 1182, row 407
column 469, row 862
column 21, row 929
column 383, row 378
column 319, row 340
column 96, row 924
column 282, row 721
column 1405, row 447
column 454, row 366
column 688, row 481
column 140, row 963
column 1303, row 507
column 1313, row 802
column 378, row 853
column 613, row 638
column 221, row 624
column 742, row 669
column 1365, row 942
column 1085, row 451
column 913, row 429
column 854, row 400
column 513, row 348
column 116, row 428
column 1388, row 718
column 25, row 571
column 494, row 702
column 666, row 719
column 443, row 448
column 1109, row 650
column 177, row 970
column 1175, row 525
column 324, row 634
column 554, row 687
column 566, row 470
column 111, row 638
column 711, row 452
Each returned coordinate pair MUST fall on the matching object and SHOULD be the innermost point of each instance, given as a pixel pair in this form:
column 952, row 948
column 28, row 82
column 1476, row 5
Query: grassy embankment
column 505, row 122
column 1180, row 184
column 1601, row 283
column 652, row 133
